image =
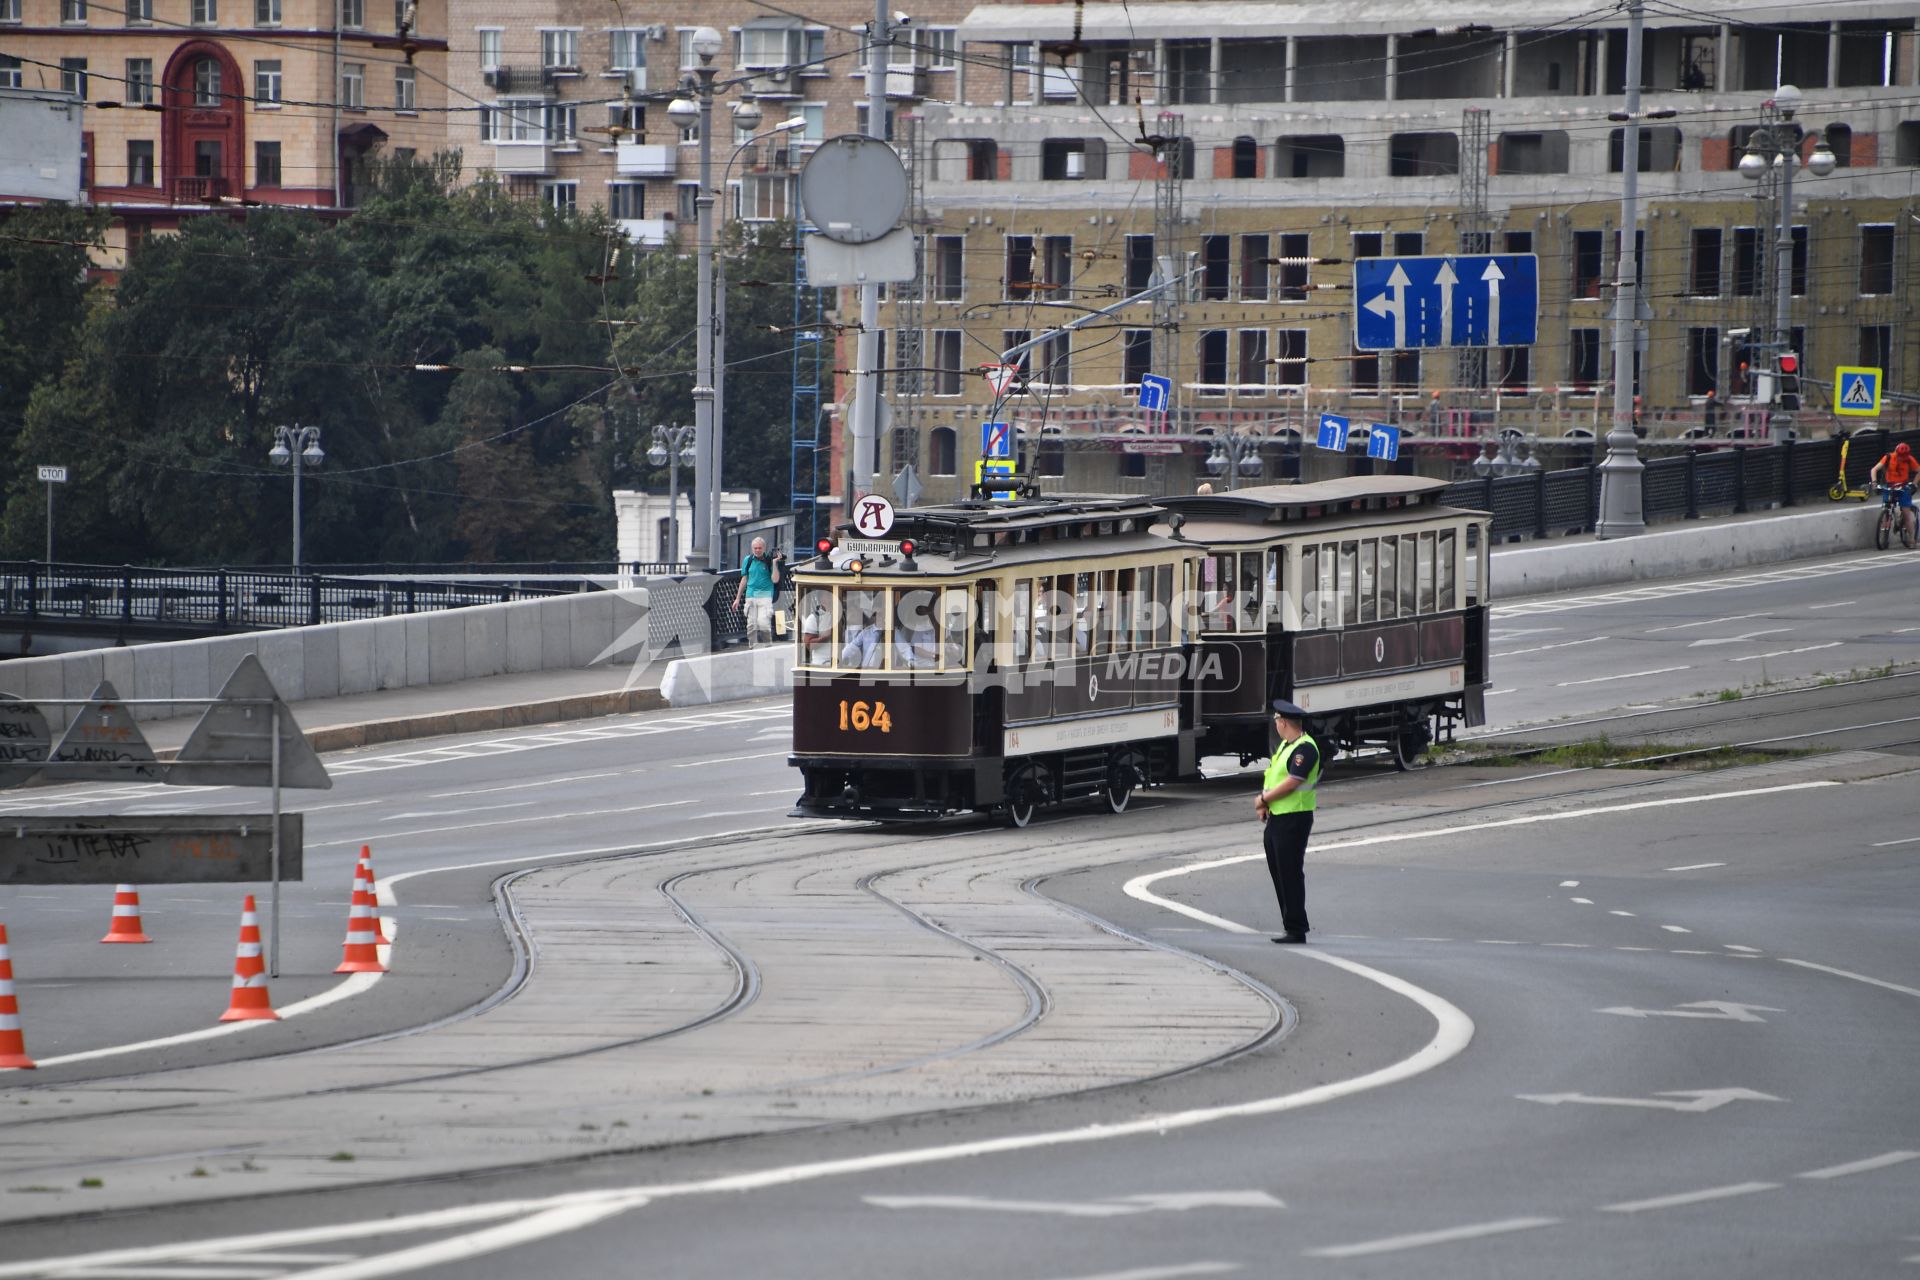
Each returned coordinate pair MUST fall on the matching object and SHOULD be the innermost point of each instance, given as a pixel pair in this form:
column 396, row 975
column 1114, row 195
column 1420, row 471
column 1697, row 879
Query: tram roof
column 1281, row 503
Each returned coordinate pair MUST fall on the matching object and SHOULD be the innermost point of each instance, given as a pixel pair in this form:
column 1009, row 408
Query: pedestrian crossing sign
column 1856, row 391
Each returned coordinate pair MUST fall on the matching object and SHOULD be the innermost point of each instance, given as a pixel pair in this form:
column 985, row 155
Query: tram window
column 1276, row 581
column 816, row 628
column 1443, row 564
column 1163, row 600
column 1329, row 602
column 1128, row 598
column 916, row 646
column 1366, row 585
column 1082, row 613
column 1309, row 588
column 1349, row 597
column 1389, row 571
column 1022, row 618
column 862, row 633
column 1053, row 618
column 1217, row 592
column 953, row 630
column 1098, row 618
column 1426, row 573
column 1408, row 603
column 1248, row 594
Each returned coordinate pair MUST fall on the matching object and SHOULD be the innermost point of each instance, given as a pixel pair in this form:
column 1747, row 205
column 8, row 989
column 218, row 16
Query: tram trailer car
column 1362, row 599
column 998, row 657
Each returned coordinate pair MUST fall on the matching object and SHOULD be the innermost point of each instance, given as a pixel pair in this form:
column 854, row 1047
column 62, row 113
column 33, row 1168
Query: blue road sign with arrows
column 1383, row 442
column 1155, row 391
column 996, row 440
column 1333, row 433
column 1486, row 300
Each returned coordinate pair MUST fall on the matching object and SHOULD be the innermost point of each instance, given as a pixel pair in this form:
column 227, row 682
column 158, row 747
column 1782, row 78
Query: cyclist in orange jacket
column 1897, row 470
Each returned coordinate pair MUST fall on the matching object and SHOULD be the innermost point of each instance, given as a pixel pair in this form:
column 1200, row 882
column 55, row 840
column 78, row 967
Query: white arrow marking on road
column 1714, row 1010
column 1175, row 1202
column 1446, row 280
column 1695, row 1100
column 1493, row 275
column 1745, row 636
column 1380, row 305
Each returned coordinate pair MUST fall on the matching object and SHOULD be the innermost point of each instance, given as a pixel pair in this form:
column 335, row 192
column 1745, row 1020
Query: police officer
column 1287, row 797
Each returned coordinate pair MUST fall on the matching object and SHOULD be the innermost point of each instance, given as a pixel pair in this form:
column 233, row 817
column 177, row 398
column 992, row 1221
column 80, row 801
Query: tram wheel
column 1020, row 811
column 1116, row 795
column 1410, row 749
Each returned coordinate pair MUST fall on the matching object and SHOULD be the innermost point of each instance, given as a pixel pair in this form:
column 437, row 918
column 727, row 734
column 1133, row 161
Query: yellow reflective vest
column 1303, row 798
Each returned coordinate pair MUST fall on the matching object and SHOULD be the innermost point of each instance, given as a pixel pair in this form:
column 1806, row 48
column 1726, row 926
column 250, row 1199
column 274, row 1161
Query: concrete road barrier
column 728, row 677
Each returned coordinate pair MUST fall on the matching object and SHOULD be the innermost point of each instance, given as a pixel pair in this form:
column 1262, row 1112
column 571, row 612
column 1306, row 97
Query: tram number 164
column 861, row 716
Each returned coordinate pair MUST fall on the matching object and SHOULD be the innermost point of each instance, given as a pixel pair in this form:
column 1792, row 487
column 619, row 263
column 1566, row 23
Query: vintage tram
column 999, row 656
column 1362, row 599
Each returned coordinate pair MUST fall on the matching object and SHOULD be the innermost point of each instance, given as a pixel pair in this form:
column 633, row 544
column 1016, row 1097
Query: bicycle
column 1883, row 531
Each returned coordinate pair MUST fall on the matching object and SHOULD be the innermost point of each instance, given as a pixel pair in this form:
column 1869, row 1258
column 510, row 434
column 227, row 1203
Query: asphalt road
column 1607, row 1023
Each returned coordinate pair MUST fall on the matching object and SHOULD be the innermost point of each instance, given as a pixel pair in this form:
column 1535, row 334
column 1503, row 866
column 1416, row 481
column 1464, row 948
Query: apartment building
column 1272, row 145
column 194, row 104
column 573, row 99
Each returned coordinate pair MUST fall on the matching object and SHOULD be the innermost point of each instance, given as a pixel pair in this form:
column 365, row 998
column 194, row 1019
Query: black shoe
column 1292, row 939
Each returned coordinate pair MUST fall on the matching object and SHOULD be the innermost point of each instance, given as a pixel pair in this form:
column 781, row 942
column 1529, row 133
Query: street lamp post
column 671, row 447
column 1622, row 513
column 1775, row 148
column 299, row 446
column 1234, row 456
column 683, row 111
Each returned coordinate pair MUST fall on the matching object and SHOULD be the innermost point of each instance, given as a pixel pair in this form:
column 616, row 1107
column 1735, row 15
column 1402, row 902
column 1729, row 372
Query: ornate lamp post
column 671, row 447
column 299, row 446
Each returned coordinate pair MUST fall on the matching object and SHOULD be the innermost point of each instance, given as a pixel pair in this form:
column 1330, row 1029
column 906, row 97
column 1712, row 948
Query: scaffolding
column 1169, row 217
column 910, row 312
column 809, row 365
column 1476, row 231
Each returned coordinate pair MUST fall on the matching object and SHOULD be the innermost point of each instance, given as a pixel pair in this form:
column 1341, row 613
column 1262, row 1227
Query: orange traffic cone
column 13, row 1049
column 126, row 925
column 373, row 896
column 250, row 1000
column 359, row 953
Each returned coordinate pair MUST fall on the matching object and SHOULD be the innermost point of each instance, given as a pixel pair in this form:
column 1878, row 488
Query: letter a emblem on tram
column 873, row 516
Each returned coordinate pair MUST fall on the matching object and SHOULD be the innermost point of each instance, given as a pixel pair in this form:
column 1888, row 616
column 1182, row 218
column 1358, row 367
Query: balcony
column 195, row 189
column 650, row 232
column 908, row 82
column 520, row 80
column 644, row 160
column 529, row 158
column 774, row 84
column 759, row 157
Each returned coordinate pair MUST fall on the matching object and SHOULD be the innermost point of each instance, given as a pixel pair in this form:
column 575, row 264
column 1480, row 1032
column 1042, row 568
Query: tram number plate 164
column 863, row 715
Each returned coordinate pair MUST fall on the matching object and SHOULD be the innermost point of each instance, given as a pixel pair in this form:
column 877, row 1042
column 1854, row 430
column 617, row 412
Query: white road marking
column 1857, row 977
column 1633, row 948
column 1617, row 912
column 1116, row 1207
column 177, row 1273
column 519, row 786
column 1421, row 1239
column 1674, row 928
column 1569, row 884
column 777, row 791
column 504, row 822
column 1734, row 946
column 1705, row 622
column 1698, row 866
column 1542, row 648
column 1691, row 1101
column 1534, row 608
column 1585, row 902
column 1579, row 946
column 1624, row 675
column 1498, row 942
column 1514, row 633
column 1742, row 638
column 1888, row 844
column 1869, row 1165
column 1685, row 1198
column 286, row 1259
column 1784, row 653
column 453, row 813
column 1838, row 604
column 1712, row 1010
column 1167, row 1273
column 725, row 760
column 538, row 1226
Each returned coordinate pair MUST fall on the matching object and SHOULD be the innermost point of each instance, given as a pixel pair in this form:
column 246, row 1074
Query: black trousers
column 1285, row 836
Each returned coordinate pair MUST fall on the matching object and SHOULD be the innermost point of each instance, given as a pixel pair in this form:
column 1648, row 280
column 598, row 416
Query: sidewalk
column 466, row 706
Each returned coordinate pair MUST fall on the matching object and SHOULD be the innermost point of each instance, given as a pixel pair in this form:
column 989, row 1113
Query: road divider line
column 1784, row 653
column 1705, row 622
column 1856, row 977
column 1624, row 675
column 1698, row 866
column 1870, row 1165
column 1542, row 648
column 1422, row 1239
column 1686, row 1198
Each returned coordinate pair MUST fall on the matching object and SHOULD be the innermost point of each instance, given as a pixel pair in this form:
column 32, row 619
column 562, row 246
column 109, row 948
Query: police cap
column 1281, row 707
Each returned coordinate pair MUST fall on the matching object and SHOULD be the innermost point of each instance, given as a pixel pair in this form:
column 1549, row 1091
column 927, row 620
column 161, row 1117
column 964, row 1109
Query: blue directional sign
column 1155, row 391
column 996, row 440
column 1465, row 301
column 1383, row 442
column 1333, row 433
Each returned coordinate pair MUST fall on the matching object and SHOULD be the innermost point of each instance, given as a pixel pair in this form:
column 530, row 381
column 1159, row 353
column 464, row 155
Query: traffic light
column 1789, row 380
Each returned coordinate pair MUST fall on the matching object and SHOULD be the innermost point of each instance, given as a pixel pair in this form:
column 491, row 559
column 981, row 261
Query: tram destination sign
column 160, row 849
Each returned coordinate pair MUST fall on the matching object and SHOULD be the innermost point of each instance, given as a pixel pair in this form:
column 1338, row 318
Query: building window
column 1423, row 155
column 949, row 268
column 1703, row 361
column 1532, row 153
column 815, row 114
column 1050, row 459
column 1583, row 359
column 1518, row 241
column 208, row 158
column 139, row 12
column 73, row 12
column 1019, row 274
column 1799, row 286
column 403, row 89
column 266, row 82
column 1368, row 244
column 1876, row 258
column 1072, row 159
column 1253, row 360
column 203, row 13
column 942, row 446
column 1056, row 360
column 139, row 81
column 1840, row 142
column 1139, row 263
column 983, row 160
column 1409, row 244
column 1587, row 249
column 1056, row 265
column 1136, row 355
column 1213, row 362
column 1516, row 368
column 1703, row 276
column 689, row 60
column 1254, row 253
column 140, row 162
column 266, row 13
column 1310, row 155
column 1246, row 158
column 946, row 362
column 1366, row 372
column 353, row 14
column 559, row 49
column 1406, row 370
column 266, row 164
column 489, row 47
column 9, row 10
column 9, row 72
column 767, row 48
column 1659, row 149
column 1876, row 346
column 73, row 77
column 627, row 200
column 1746, row 262
column 353, row 85
column 626, row 49
column 520, row 120
column 1294, row 267
column 1023, row 363
column 562, row 123
column 1215, row 267
column 939, row 48
column 860, row 120
column 561, row 196
column 1290, row 361
column 766, row 197
column 687, row 202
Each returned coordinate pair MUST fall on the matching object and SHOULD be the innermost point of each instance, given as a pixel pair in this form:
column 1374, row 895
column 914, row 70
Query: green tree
column 44, row 287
